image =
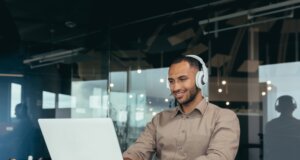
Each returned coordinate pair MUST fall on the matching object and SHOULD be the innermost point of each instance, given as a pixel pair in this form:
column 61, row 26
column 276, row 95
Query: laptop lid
column 78, row 139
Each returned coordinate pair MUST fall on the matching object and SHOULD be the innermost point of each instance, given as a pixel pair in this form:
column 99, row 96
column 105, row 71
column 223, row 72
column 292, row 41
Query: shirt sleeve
column 145, row 146
column 225, row 139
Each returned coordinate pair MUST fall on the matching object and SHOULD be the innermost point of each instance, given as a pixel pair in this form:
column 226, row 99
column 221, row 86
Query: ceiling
column 153, row 32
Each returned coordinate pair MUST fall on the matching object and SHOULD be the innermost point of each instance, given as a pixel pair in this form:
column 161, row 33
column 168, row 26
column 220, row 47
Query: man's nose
column 176, row 86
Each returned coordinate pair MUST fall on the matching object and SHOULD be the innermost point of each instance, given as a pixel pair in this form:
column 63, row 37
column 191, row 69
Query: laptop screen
column 78, row 139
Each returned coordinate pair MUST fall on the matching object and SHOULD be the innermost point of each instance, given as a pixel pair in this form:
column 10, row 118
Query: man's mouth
column 179, row 95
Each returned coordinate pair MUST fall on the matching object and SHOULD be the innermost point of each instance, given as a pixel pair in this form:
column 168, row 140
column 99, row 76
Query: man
column 282, row 134
column 194, row 130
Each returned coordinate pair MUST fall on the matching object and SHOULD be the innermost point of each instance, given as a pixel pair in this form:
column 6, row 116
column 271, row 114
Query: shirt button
column 183, row 131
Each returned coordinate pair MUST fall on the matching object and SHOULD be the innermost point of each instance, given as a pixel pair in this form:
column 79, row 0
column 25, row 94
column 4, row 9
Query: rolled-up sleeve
column 224, row 141
column 144, row 147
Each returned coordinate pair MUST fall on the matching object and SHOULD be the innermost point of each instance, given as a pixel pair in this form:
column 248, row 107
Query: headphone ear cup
column 202, row 76
column 199, row 79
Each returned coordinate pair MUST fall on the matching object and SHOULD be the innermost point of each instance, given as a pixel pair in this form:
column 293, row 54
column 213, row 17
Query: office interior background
column 90, row 59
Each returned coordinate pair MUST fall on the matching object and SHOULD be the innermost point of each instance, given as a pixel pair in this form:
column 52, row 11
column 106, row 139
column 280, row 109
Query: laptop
column 79, row 139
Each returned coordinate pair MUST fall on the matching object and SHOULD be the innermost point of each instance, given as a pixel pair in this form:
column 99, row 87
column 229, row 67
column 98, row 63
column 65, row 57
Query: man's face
column 182, row 82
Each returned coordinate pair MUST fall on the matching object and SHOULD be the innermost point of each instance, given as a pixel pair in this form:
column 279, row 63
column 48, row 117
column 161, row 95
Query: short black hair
column 192, row 61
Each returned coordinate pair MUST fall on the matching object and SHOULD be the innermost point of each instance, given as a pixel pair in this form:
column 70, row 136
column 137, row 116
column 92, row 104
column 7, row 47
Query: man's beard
column 193, row 94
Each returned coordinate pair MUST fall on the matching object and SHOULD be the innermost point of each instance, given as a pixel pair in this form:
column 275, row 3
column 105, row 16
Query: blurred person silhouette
column 23, row 130
column 282, row 138
column 18, row 143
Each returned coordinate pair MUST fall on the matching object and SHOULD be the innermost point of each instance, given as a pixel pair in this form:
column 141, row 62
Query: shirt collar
column 200, row 107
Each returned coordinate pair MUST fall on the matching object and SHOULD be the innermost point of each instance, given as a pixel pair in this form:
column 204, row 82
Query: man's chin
column 182, row 102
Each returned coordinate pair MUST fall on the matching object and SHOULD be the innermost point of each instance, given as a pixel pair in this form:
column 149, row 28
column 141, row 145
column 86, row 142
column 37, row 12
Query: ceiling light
column 263, row 93
column 139, row 71
column 269, row 82
column 111, row 85
column 220, row 90
column 52, row 57
column 269, row 88
column 166, row 100
column 161, row 80
column 224, row 82
column 11, row 75
column 227, row 103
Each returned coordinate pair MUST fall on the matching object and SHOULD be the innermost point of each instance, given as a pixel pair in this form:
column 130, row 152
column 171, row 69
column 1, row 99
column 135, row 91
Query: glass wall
column 95, row 59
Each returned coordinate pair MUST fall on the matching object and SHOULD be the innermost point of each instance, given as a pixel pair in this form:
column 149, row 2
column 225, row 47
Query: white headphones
column 201, row 76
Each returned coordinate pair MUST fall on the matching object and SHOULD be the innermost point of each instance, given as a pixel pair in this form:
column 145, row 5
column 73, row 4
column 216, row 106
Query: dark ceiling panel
column 140, row 26
column 9, row 36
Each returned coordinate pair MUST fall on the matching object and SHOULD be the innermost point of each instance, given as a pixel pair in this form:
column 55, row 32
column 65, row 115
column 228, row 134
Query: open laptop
column 79, row 139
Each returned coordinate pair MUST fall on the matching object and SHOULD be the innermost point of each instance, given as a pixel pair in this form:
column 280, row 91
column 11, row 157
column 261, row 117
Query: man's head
column 182, row 79
column 21, row 110
column 285, row 104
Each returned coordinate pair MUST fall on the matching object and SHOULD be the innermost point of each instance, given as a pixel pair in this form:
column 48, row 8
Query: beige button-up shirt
column 207, row 133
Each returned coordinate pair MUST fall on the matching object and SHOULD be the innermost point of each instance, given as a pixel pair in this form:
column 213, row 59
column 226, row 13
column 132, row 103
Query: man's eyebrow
column 183, row 76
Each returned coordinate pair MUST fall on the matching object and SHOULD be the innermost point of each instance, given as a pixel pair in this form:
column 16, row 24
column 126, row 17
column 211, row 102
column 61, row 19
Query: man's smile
column 179, row 94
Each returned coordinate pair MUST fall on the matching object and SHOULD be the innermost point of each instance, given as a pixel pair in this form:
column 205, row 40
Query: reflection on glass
column 122, row 116
column 119, row 81
column 282, row 138
column 48, row 100
column 118, row 104
column 91, row 98
column 15, row 98
column 139, row 115
column 95, row 98
column 281, row 115
column 95, row 101
column 283, row 80
column 66, row 101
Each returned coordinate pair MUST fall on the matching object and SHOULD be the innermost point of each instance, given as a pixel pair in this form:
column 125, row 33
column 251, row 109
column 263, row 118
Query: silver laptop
column 79, row 139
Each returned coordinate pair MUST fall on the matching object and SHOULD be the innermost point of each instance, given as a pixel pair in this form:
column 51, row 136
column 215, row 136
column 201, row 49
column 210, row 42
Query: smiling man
column 194, row 130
